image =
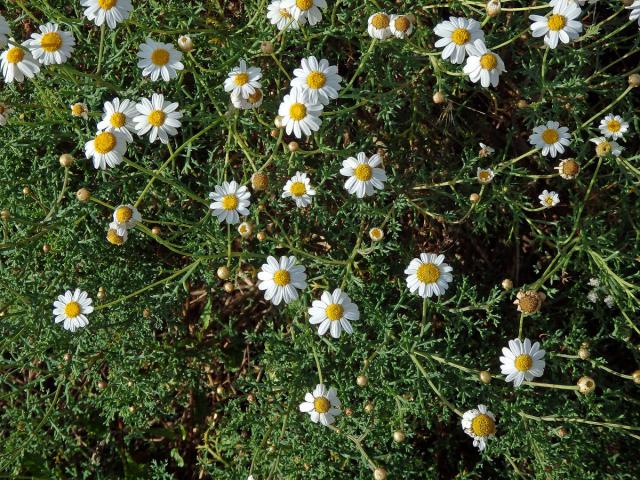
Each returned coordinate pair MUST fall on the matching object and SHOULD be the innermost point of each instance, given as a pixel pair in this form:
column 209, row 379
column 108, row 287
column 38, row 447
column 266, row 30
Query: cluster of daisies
column 382, row 26
column 125, row 217
column 291, row 14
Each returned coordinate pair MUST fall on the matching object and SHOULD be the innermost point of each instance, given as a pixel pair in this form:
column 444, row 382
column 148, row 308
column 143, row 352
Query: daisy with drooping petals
column 479, row 424
column 319, row 80
column 334, row 312
column 5, row 32
column 117, row 235
column 568, row 169
column 126, row 217
column 18, row 63
column 529, row 301
column 230, row 200
column 635, row 11
column 72, row 308
column 282, row 279
column 159, row 59
column 306, row 10
column 252, row 101
column 522, row 361
column 110, row 12
column 378, row 26
column 280, row 16
column 606, row 147
column 118, row 117
column 106, row 149
column 322, row 405
column 458, row 34
column 51, row 46
column 613, row 126
column 561, row 25
column 299, row 114
column 428, row 275
column 551, row 138
column 243, row 81
column 549, row 199
column 299, row 188
column 364, row 175
column 400, row 26
column 79, row 109
column 483, row 65
column 5, row 111
column 158, row 116
column 484, row 175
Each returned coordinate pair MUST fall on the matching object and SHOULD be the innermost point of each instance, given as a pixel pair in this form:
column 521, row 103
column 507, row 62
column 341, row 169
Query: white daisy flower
column 319, row 80
column 110, row 12
column 5, row 111
column 126, row 217
column 606, row 147
column 522, row 361
column 428, row 275
column 479, row 424
column 117, row 235
column 118, row 117
column 280, row 16
column 254, row 100
column 561, row 25
column 613, row 126
column 18, row 63
column 299, row 114
column 158, row 116
column 5, row 32
column 280, row 279
column 378, row 26
column 230, row 200
column 51, row 46
column 245, row 229
column 483, row 65
column 106, row 149
column 159, row 59
column 299, row 188
column 335, row 310
column 551, row 138
column 568, row 169
column 484, row 175
column 549, row 199
column 458, row 35
column 364, row 175
column 243, row 81
column 553, row 3
column 376, row 234
column 322, row 405
column 72, row 308
column 79, row 109
column 306, row 10
column 400, row 26
column 635, row 11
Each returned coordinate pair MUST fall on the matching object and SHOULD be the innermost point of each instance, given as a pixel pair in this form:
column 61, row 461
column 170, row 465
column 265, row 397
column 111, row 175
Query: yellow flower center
column 570, row 167
column 550, row 136
column 114, row 238
column 529, row 302
column 556, row 22
column 363, row 172
column 402, row 23
column 376, row 233
column 107, row 4
column 51, row 42
column 156, row 118
column 334, row 311
column 488, row 61
column 124, row 214
column 281, row 278
column 483, row 175
column 298, row 189
column 160, row 57
column 241, row 79
column 460, row 36
column 613, row 126
column 483, row 425
column 72, row 309
column 118, row 120
column 104, row 142
column 428, row 273
column 321, row 405
column 523, row 362
column 230, row 202
column 304, row 4
column 285, row 13
column 297, row 111
column 255, row 97
column 316, row 80
column 77, row 109
column 380, row 21
column 603, row 148
column 15, row 55
column 549, row 200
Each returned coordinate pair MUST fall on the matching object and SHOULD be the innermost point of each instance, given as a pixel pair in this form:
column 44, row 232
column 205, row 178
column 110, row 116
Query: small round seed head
column 398, row 436
column 507, row 284
column 474, row 198
column 261, row 236
column 251, row 398
column 368, row 407
column 275, row 133
column 102, row 294
column 380, row 474
column 66, row 160
column 493, row 8
column 529, row 301
column 220, row 390
column 223, row 272
column 586, row 385
column 102, row 384
column 522, row 103
column 294, row 146
column 634, row 80
column 278, row 122
column 636, row 376
column 26, row 191
column 584, row 353
column 439, row 97
column 485, row 377
column 228, row 287
column 259, row 181
column 348, row 411
column 185, row 43
column 362, row 380
column 146, row 313
column 562, row 432
column 46, row 248
column 83, row 194
column 67, row 357
column 156, row 230
column 5, row 214
column 266, row 48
